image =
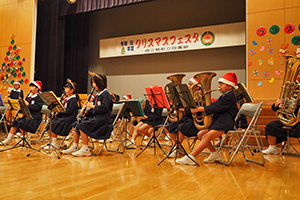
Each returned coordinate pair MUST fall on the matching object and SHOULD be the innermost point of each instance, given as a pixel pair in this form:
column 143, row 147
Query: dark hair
column 31, row 84
column 69, row 85
column 101, row 84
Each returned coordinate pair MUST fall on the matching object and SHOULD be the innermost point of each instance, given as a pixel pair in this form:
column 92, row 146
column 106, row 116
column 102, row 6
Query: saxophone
column 205, row 98
column 290, row 91
column 172, row 113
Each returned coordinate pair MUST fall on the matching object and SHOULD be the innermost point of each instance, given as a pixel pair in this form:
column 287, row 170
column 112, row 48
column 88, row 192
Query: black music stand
column 54, row 105
column 181, row 98
column 131, row 108
column 157, row 99
column 26, row 115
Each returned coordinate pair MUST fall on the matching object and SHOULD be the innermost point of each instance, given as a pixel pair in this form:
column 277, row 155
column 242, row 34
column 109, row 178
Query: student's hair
column 31, row 84
column 101, row 84
column 69, row 85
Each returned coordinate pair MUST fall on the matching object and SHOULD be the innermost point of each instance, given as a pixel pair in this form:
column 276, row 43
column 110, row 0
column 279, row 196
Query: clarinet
column 18, row 111
column 81, row 115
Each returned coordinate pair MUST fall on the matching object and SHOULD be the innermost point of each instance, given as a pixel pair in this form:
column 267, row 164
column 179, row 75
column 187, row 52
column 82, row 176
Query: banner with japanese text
column 179, row 40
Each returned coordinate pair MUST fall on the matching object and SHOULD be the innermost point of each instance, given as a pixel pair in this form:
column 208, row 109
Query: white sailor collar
column 18, row 90
column 99, row 93
column 73, row 96
column 33, row 96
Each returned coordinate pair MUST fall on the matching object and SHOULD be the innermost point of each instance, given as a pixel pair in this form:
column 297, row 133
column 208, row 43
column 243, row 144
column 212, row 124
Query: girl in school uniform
column 224, row 111
column 16, row 93
column 96, row 123
column 145, row 126
column 34, row 104
column 62, row 124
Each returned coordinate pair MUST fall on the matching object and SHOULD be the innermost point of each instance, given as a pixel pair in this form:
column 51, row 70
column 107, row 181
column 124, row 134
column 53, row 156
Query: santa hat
column 194, row 80
column 127, row 97
column 229, row 78
column 17, row 82
column 298, row 79
column 38, row 84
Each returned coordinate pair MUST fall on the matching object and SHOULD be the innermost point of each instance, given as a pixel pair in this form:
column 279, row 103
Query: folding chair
column 45, row 121
column 160, row 129
column 3, row 110
column 239, row 138
column 287, row 147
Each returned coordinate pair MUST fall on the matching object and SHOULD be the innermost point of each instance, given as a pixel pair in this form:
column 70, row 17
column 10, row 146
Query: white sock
column 54, row 140
column 132, row 140
column 85, row 147
column 75, row 145
column 28, row 135
column 10, row 136
column 214, row 152
column 272, row 146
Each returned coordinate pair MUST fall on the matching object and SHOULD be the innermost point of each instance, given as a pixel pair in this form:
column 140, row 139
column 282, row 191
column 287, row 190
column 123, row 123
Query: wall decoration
column 250, row 63
column 251, row 51
column 274, row 29
column 271, row 50
column 259, row 84
column 271, row 80
column 255, row 72
column 261, row 31
column 277, row 73
column 266, row 74
column 12, row 64
column 254, row 43
column 260, row 62
column 289, row 28
column 269, row 41
column 296, row 40
column 262, row 48
column 271, row 61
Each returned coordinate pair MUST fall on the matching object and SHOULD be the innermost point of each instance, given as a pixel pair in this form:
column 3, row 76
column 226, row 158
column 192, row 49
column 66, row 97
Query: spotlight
column 71, row 1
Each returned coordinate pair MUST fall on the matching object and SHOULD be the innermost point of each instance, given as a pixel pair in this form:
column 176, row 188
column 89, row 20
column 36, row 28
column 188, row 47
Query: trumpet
column 19, row 110
column 81, row 115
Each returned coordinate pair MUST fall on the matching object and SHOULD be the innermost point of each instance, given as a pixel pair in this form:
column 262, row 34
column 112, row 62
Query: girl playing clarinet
column 96, row 123
column 34, row 104
column 62, row 124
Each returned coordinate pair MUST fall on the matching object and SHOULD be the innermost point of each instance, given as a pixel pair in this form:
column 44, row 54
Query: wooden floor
column 113, row 175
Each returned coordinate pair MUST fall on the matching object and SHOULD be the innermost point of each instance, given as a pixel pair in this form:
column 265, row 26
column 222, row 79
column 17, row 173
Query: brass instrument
column 172, row 113
column 204, row 99
column 289, row 92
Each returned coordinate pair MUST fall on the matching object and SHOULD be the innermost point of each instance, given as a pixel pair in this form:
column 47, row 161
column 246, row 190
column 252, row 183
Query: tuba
column 289, row 92
column 205, row 98
column 172, row 113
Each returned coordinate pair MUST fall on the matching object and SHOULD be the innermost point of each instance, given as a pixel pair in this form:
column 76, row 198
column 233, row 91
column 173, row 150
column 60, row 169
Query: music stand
column 242, row 94
column 54, row 105
column 181, row 97
column 157, row 99
column 131, row 108
column 26, row 115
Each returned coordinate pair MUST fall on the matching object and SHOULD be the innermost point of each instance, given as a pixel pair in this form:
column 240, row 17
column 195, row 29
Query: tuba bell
column 290, row 92
column 172, row 113
column 203, row 99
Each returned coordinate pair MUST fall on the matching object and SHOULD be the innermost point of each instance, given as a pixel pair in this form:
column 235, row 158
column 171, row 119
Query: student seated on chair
column 34, row 104
column 145, row 126
column 96, row 123
column 17, row 92
column 186, row 125
column 274, row 132
column 62, row 124
column 224, row 111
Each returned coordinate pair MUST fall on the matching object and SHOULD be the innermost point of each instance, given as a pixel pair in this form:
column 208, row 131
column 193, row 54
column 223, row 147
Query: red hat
column 38, row 84
column 229, row 78
column 127, row 97
column 17, row 82
column 194, row 80
column 298, row 79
